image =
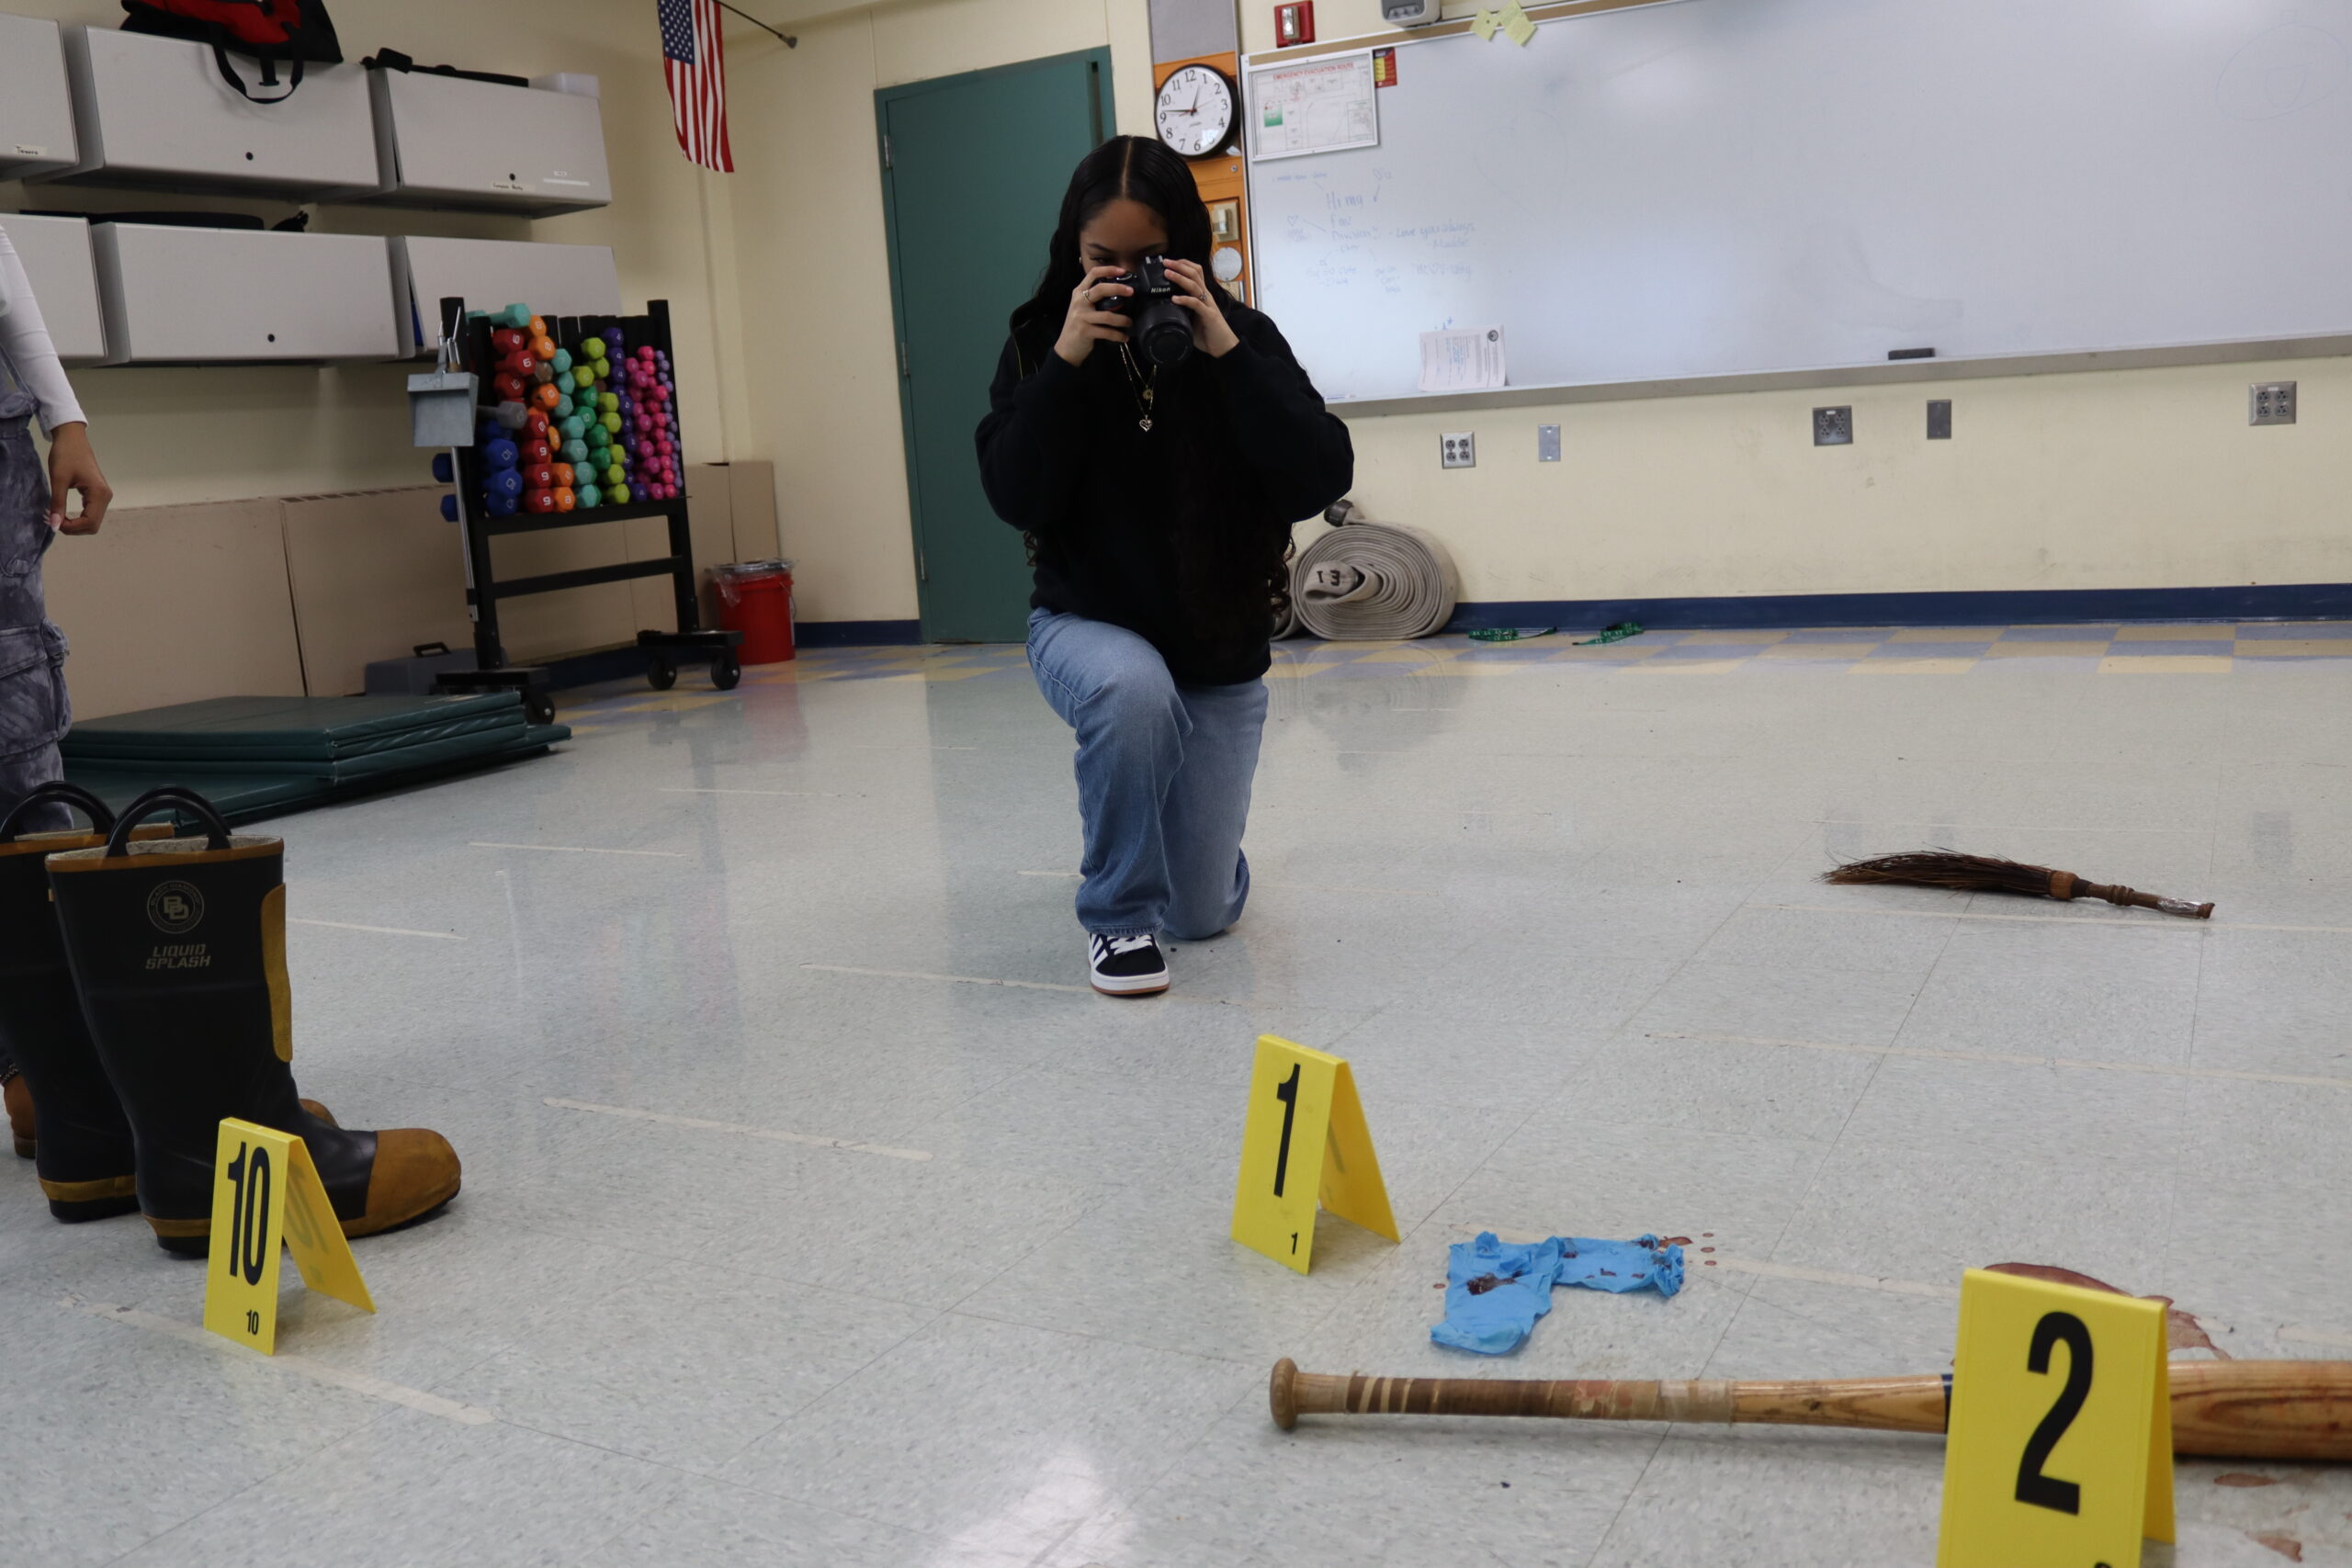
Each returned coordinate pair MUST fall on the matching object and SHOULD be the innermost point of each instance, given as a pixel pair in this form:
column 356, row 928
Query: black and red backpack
column 292, row 31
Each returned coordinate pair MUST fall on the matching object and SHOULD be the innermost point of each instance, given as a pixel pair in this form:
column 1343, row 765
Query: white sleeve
column 26, row 338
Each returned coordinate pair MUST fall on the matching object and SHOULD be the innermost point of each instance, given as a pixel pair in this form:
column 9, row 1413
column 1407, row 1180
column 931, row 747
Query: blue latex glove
column 1619, row 1266
column 1494, row 1293
column 1496, row 1290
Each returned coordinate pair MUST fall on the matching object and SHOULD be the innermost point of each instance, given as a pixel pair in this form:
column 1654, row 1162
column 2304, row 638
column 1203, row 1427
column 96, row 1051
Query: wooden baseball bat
column 2284, row 1410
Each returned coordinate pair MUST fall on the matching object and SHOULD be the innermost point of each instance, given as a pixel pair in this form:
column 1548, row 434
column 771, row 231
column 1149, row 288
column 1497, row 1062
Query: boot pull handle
column 90, row 806
column 138, row 811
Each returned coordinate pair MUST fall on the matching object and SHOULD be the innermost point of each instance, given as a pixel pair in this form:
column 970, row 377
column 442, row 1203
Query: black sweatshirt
column 1062, row 456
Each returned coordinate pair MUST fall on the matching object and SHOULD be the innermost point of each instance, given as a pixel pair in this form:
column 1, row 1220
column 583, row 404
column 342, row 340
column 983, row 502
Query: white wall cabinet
column 554, row 280
column 35, row 111
column 56, row 254
column 446, row 141
column 180, row 296
column 153, row 113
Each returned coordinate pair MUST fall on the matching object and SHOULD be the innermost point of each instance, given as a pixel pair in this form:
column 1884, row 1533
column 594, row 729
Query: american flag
column 693, row 59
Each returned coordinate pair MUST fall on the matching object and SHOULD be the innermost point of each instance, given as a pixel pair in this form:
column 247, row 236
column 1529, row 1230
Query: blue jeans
column 1163, row 779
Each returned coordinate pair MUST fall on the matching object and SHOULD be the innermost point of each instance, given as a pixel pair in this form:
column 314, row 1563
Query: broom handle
column 2066, row 884
column 2116, row 893
column 2220, row 1409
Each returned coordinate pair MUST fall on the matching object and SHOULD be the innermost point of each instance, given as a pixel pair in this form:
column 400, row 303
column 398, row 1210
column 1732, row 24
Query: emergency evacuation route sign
column 1303, row 1142
column 265, row 1189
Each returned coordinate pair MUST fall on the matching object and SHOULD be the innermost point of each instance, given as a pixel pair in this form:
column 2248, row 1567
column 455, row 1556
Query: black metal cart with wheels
column 691, row 642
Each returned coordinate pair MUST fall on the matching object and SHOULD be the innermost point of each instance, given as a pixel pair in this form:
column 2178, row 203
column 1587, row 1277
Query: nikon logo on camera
column 175, row 908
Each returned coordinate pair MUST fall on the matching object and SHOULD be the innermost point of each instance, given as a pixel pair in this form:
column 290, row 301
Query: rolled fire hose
column 1371, row 582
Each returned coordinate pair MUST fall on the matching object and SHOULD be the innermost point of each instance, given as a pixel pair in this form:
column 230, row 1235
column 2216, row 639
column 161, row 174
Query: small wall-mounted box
column 553, row 280
column 153, row 113
column 208, row 295
column 36, row 108
column 450, row 141
column 56, row 254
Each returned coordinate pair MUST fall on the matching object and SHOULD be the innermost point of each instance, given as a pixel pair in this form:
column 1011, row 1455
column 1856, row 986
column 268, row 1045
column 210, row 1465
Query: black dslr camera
column 1162, row 334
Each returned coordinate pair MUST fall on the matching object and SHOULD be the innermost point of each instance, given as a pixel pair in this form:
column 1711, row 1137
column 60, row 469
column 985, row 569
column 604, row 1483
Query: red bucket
column 755, row 598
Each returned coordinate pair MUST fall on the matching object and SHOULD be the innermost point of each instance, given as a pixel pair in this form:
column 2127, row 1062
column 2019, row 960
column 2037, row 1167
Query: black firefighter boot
column 178, row 948
column 62, row 1107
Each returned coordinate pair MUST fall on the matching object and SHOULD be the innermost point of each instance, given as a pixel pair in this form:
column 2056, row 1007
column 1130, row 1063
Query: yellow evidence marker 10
column 1304, row 1144
column 265, row 1189
column 2060, row 1453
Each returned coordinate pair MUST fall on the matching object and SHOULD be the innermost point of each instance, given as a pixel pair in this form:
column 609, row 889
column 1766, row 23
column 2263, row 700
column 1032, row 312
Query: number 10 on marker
column 266, row 1195
column 1304, row 1146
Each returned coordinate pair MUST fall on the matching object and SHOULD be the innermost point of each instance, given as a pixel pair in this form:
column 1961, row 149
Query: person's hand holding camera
column 1093, row 314
column 1212, row 333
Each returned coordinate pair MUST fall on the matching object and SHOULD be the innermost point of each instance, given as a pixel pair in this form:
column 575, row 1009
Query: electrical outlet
column 1939, row 418
column 1547, row 443
column 1834, row 426
column 2270, row 403
column 1460, row 449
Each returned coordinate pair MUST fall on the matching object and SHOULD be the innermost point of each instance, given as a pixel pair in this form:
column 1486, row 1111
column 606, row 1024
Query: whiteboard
column 1726, row 187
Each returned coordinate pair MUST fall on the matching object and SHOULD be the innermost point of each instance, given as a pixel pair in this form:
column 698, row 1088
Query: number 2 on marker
column 2047, row 1491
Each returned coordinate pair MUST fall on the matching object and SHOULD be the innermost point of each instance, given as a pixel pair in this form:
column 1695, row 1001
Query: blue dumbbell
column 443, row 471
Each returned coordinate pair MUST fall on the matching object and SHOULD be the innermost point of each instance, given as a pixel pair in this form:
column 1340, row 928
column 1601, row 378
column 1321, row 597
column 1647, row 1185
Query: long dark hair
column 1232, row 554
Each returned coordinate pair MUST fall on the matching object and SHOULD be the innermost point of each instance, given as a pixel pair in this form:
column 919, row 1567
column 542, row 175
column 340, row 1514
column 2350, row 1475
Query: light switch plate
column 1459, row 450
column 1939, row 418
column 1547, row 443
column 2270, row 403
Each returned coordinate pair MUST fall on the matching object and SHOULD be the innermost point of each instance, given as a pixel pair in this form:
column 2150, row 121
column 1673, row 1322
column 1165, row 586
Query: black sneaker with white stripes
column 1126, row 966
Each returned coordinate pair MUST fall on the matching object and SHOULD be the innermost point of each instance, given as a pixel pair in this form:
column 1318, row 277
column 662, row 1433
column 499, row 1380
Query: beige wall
column 808, row 228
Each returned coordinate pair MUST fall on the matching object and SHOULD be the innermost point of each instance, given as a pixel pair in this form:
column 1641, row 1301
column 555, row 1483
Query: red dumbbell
column 539, row 476
column 536, row 451
column 538, row 500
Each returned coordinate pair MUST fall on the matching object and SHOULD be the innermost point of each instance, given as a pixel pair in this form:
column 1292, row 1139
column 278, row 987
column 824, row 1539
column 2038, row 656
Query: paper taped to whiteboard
column 1317, row 106
column 1469, row 360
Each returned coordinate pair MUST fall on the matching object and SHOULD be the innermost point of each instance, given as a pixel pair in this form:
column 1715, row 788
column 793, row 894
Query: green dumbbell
column 617, row 475
column 562, row 361
column 575, row 452
column 611, row 422
column 608, row 402
column 513, row 316
column 587, row 495
column 591, row 348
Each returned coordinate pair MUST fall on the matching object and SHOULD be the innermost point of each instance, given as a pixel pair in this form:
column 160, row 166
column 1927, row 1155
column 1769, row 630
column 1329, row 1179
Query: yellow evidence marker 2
column 265, row 1189
column 1304, row 1143
column 2060, row 1453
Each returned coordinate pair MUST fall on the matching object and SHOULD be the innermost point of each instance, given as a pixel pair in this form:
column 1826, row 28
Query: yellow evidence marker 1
column 2060, row 1453
column 265, row 1189
column 1304, row 1143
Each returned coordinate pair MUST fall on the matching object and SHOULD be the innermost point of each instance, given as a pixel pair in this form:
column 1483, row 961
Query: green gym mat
column 322, row 729
column 249, row 797
column 478, row 740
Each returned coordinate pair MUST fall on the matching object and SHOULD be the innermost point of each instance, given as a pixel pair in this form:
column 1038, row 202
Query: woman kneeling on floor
column 1157, row 488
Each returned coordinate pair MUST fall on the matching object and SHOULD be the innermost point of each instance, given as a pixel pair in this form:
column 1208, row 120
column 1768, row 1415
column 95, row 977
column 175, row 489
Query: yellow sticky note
column 265, row 1193
column 1518, row 28
column 1485, row 25
column 2060, row 1453
column 1304, row 1145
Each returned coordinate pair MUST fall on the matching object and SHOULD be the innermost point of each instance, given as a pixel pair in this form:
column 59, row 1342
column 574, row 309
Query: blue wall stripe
column 2251, row 601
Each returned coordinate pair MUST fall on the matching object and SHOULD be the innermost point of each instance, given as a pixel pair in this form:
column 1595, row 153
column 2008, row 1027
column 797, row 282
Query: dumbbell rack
column 664, row 650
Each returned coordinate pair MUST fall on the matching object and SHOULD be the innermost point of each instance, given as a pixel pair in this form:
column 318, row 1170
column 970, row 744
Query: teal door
column 973, row 168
